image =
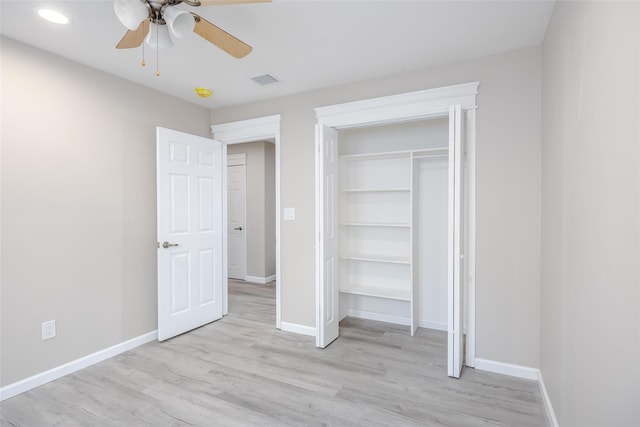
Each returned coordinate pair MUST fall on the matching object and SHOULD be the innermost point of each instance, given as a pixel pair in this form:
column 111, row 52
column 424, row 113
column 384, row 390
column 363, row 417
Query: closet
column 381, row 221
column 392, row 217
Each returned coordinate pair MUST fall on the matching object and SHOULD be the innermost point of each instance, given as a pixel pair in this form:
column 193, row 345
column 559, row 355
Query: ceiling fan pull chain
column 157, row 51
column 143, row 63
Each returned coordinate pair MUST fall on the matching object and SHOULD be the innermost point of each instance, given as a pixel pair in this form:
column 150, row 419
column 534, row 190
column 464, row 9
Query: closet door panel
column 455, row 347
column 327, row 222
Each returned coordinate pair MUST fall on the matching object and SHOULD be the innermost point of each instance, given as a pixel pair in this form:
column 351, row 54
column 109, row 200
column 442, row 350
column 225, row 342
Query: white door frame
column 240, row 160
column 424, row 104
column 258, row 129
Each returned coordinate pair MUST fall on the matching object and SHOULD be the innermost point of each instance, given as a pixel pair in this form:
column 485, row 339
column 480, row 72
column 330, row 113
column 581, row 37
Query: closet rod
column 429, row 156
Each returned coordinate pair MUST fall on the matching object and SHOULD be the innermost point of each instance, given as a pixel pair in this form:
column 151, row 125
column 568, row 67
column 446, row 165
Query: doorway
column 267, row 130
column 455, row 103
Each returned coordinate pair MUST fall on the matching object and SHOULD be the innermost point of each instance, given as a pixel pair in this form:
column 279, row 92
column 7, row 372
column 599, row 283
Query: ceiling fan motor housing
column 157, row 5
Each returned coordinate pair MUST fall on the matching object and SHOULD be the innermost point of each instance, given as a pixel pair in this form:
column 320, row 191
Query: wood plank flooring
column 241, row 371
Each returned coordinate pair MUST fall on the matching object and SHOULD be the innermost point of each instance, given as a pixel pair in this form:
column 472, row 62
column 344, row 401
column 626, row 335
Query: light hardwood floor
column 241, row 371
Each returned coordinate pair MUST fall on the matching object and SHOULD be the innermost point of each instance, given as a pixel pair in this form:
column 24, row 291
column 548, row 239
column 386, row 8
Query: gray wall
column 590, row 214
column 508, row 235
column 260, row 206
column 78, row 207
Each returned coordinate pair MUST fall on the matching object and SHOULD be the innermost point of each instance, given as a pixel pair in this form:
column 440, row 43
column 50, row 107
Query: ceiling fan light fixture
column 158, row 37
column 131, row 12
column 180, row 23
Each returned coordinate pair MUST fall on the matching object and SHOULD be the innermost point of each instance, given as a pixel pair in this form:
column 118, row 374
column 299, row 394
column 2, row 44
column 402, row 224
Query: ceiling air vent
column 265, row 79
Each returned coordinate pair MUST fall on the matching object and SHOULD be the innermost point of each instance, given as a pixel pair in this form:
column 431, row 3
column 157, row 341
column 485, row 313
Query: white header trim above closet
column 417, row 105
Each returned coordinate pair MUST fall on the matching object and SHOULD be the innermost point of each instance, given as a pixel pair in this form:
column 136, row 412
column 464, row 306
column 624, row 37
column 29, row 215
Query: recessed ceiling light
column 53, row 16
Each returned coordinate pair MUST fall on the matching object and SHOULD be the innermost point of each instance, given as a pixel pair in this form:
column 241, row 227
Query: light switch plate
column 289, row 214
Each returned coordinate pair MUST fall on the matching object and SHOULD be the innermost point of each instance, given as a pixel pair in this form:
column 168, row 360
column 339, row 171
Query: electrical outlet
column 48, row 329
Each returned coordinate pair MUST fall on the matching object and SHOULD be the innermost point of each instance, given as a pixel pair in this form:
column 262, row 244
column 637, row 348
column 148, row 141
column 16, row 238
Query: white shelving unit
column 377, row 225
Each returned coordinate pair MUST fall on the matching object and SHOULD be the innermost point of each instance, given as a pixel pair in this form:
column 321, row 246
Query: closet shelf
column 432, row 152
column 375, row 190
column 379, row 292
column 378, row 258
column 375, row 224
column 383, row 155
column 395, row 154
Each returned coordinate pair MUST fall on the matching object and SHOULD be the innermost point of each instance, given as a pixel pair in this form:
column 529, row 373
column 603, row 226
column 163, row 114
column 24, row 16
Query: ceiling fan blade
column 220, row 2
column 219, row 37
column 134, row 38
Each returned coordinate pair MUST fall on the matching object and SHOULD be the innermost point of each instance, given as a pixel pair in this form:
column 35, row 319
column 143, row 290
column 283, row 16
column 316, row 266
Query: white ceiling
column 305, row 44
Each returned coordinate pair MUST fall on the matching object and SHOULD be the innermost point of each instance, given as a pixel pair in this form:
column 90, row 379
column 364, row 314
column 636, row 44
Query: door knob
column 167, row 245
column 238, row 228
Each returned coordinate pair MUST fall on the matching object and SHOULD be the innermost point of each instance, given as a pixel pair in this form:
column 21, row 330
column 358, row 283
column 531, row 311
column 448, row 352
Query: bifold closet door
column 328, row 316
column 455, row 347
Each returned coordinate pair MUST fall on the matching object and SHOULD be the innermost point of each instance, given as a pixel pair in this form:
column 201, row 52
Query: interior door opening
column 396, row 216
column 265, row 129
column 251, row 222
column 394, row 250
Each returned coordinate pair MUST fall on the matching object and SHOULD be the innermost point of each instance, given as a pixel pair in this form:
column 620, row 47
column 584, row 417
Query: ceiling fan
column 157, row 21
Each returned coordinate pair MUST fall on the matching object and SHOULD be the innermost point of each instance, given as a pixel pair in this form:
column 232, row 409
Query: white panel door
column 236, row 190
column 327, row 283
column 190, row 250
column 455, row 345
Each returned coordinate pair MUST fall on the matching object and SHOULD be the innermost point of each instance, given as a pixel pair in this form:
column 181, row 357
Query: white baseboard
column 298, row 329
column 73, row 366
column 507, row 369
column 260, row 280
column 551, row 415
column 369, row 315
column 429, row 324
